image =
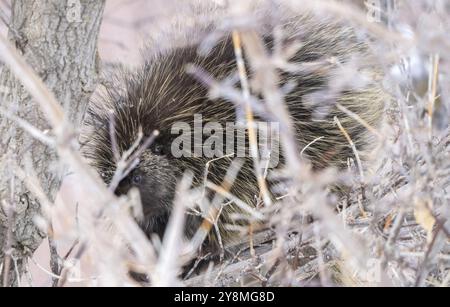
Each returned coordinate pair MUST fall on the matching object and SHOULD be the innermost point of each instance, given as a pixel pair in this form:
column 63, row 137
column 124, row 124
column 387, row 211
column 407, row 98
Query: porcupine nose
column 123, row 187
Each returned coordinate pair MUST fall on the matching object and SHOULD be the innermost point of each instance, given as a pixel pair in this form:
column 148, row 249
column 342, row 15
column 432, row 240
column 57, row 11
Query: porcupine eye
column 137, row 179
column 158, row 150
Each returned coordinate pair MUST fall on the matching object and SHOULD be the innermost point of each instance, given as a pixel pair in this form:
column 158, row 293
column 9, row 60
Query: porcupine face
column 155, row 179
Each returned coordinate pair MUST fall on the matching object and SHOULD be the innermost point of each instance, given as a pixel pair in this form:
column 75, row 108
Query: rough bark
column 59, row 39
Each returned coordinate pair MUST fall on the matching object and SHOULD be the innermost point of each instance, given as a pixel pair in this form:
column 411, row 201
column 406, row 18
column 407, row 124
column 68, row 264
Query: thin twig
column 253, row 143
column 355, row 151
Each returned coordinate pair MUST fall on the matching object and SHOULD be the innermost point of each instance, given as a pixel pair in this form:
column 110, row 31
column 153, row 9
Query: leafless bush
column 390, row 229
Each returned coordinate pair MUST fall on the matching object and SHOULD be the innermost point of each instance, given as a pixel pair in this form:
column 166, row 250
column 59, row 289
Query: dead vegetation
column 391, row 228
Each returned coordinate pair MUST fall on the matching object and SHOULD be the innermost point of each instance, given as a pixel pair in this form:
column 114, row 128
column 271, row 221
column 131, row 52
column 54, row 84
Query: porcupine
column 161, row 92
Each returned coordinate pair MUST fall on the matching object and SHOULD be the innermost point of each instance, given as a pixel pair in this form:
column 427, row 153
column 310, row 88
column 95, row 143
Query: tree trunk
column 59, row 40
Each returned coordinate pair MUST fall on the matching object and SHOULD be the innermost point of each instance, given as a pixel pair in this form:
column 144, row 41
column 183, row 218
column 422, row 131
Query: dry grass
column 392, row 228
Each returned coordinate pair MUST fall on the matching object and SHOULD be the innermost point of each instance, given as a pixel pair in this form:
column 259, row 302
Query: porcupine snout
column 155, row 180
